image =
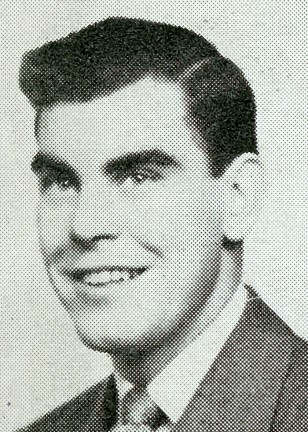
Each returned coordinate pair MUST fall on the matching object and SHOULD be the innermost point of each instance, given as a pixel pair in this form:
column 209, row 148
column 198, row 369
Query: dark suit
column 258, row 383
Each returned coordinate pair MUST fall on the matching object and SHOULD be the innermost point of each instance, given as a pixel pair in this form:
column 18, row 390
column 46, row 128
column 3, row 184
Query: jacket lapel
column 240, row 392
column 104, row 412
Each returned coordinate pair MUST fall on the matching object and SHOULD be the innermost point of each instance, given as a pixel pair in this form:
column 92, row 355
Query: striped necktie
column 141, row 414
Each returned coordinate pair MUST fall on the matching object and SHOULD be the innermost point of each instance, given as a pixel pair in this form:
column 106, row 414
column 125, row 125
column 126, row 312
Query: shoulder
column 297, row 379
column 71, row 415
column 292, row 410
column 265, row 321
column 270, row 333
column 275, row 329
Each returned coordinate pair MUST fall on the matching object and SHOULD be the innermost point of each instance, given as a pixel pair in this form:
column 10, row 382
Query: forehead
column 150, row 113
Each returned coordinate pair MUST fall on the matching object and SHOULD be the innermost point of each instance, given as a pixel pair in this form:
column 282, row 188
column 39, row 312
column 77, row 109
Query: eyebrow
column 42, row 161
column 147, row 157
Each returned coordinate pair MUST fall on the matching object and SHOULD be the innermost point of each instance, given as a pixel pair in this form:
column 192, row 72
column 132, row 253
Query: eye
column 61, row 179
column 64, row 182
column 136, row 175
column 141, row 175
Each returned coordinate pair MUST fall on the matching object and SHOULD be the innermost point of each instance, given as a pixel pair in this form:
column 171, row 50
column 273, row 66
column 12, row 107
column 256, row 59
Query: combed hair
column 111, row 54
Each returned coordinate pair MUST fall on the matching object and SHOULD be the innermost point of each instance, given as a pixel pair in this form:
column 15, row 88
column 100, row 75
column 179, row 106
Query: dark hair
column 108, row 55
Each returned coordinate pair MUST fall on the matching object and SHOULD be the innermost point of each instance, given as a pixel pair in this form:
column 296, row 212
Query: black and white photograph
column 153, row 209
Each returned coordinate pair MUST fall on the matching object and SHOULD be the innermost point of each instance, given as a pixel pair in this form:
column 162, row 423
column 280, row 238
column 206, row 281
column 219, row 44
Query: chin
column 113, row 339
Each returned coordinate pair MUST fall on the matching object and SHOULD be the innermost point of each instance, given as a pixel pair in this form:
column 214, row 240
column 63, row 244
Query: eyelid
column 144, row 169
column 43, row 170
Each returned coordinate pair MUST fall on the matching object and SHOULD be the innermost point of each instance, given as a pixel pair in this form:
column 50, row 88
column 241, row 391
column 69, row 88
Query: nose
column 95, row 217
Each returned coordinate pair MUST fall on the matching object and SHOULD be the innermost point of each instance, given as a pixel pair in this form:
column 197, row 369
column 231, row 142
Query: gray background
column 41, row 361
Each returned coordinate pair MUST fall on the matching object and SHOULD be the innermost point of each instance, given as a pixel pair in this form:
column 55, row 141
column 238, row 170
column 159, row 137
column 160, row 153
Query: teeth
column 97, row 278
column 105, row 276
column 117, row 276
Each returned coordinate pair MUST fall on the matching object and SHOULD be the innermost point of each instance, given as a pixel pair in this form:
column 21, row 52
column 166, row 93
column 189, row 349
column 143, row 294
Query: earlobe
column 244, row 182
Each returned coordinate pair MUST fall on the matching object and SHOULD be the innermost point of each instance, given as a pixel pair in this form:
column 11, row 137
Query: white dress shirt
column 175, row 386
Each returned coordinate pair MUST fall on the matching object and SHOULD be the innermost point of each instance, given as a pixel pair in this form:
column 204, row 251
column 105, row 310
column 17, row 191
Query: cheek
column 183, row 220
column 53, row 225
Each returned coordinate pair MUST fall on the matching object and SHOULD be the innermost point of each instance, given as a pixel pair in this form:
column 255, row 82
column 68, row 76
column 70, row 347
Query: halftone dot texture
column 99, row 61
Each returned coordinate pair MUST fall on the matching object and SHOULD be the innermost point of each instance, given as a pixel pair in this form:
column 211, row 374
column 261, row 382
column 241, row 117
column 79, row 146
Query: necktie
column 141, row 414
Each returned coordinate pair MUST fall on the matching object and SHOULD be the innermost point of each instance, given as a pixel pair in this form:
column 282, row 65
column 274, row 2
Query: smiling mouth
column 105, row 276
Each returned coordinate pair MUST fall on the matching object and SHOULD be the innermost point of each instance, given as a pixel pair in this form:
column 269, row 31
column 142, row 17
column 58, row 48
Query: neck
column 143, row 367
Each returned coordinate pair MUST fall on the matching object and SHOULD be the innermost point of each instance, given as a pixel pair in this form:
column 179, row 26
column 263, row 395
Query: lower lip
column 100, row 291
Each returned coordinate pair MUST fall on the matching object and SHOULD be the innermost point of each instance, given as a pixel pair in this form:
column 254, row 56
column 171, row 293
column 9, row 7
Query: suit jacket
column 258, row 383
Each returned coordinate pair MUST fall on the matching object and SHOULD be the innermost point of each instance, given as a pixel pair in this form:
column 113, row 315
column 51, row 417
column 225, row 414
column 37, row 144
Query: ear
column 244, row 186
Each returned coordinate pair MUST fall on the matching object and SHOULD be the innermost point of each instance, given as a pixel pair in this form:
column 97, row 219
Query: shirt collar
column 174, row 387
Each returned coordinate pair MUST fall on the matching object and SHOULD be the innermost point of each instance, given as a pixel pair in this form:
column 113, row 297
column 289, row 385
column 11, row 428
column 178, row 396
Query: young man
column 150, row 180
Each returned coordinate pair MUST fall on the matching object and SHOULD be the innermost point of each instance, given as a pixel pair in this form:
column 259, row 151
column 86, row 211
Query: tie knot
column 140, row 410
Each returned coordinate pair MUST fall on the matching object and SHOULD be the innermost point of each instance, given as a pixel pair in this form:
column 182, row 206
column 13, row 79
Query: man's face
column 130, row 218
